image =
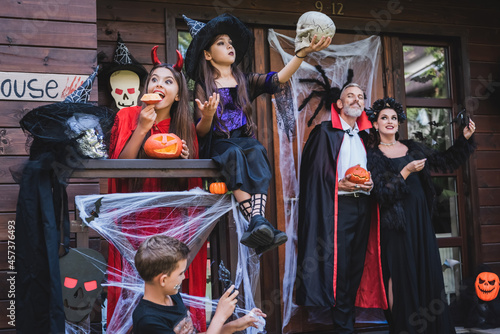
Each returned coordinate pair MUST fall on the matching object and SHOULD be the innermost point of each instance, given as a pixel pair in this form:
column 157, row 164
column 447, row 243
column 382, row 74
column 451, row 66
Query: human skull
column 310, row 24
column 125, row 88
column 82, row 271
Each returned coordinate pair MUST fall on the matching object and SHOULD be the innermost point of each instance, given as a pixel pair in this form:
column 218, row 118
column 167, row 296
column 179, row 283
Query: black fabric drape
column 42, row 212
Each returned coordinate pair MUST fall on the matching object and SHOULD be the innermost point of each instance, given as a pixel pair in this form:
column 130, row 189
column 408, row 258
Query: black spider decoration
column 328, row 95
column 225, row 276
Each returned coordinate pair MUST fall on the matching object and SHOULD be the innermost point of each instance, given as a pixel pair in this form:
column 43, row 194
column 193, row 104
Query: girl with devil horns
column 411, row 266
column 226, row 129
column 171, row 114
column 132, row 127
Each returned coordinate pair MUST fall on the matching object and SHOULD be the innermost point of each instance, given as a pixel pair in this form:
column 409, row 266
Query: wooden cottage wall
column 65, row 36
column 50, row 36
column 484, row 56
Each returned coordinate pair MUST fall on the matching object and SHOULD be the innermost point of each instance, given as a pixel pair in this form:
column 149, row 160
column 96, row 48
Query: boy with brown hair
column 161, row 262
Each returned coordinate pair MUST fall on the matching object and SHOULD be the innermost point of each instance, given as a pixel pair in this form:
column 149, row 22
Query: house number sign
column 337, row 8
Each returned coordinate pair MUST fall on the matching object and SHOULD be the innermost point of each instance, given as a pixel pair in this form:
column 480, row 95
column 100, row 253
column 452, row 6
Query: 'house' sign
column 38, row 86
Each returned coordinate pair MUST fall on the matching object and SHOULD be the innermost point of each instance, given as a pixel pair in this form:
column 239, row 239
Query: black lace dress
column 411, row 258
column 409, row 251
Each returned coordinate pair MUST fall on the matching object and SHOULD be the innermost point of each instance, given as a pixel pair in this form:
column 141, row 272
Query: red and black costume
column 195, row 282
column 332, row 256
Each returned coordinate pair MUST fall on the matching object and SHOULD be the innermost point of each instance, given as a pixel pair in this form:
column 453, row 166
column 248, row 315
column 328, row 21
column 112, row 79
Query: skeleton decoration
column 82, row 271
column 125, row 88
column 310, row 24
column 124, row 76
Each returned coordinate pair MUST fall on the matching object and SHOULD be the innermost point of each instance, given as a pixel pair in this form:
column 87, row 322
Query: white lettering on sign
column 38, row 86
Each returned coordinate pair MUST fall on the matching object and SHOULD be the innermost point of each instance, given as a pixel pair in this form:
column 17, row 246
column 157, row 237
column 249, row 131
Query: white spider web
column 363, row 58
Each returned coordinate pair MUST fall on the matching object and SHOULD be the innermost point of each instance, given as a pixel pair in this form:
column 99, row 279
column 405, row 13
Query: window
column 421, row 78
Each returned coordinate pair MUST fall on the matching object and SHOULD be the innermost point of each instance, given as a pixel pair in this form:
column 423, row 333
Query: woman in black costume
column 403, row 187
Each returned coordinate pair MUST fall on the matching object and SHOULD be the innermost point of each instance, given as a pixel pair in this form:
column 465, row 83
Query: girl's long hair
column 181, row 124
column 207, row 74
column 181, row 119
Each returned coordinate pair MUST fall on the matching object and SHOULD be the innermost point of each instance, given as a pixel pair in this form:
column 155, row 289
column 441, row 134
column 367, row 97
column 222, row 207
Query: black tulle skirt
column 243, row 162
column 411, row 258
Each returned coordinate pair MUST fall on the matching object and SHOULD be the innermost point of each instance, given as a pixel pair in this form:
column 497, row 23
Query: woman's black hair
column 386, row 103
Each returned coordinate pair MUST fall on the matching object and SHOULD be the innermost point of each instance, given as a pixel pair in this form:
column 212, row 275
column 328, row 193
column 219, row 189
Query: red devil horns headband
column 156, row 61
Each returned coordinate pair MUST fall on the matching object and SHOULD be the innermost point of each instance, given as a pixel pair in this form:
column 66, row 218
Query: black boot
column 259, row 233
column 279, row 239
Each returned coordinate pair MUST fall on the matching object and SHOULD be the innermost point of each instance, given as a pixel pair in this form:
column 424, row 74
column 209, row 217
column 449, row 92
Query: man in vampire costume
column 338, row 241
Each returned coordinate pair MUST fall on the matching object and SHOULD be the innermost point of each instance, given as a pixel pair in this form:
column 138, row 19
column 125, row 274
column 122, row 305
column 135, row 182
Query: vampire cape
column 317, row 229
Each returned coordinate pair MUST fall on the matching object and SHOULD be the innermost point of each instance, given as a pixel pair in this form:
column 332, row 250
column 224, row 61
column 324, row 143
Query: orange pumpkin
column 218, row 188
column 359, row 175
column 163, row 146
column 487, row 286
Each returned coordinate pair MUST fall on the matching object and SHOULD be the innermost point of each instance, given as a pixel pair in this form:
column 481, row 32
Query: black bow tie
column 348, row 131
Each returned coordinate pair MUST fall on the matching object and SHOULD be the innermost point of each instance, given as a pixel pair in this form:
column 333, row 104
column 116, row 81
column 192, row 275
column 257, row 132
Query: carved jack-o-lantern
column 487, row 286
column 359, row 175
column 163, row 146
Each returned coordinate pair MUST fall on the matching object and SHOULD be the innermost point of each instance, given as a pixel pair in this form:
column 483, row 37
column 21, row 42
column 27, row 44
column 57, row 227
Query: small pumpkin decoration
column 487, row 286
column 218, row 188
column 163, row 146
column 359, row 175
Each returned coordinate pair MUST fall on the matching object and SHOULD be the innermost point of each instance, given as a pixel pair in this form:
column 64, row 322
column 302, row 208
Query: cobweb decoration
column 363, row 57
column 127, row 219
column 122, row 54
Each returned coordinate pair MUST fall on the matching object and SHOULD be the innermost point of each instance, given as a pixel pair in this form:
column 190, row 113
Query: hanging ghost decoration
column 310, row 24
column 82, row 271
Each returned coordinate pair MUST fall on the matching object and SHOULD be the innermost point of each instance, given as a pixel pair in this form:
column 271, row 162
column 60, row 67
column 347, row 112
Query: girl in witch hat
column 226, row 129
column 132, row 127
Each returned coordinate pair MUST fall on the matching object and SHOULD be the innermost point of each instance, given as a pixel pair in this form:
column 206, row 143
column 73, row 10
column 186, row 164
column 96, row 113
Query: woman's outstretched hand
column 415, row 165
column 470, row 129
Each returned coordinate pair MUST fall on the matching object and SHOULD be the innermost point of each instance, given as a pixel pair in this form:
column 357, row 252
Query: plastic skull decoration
column 310, row 24
column 125, row 88
column 82, row 271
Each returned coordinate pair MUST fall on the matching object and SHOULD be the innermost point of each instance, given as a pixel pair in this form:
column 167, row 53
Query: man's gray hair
column 352, row 84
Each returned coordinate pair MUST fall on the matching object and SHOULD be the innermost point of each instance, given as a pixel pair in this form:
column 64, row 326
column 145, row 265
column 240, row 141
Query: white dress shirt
column 352, row 152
